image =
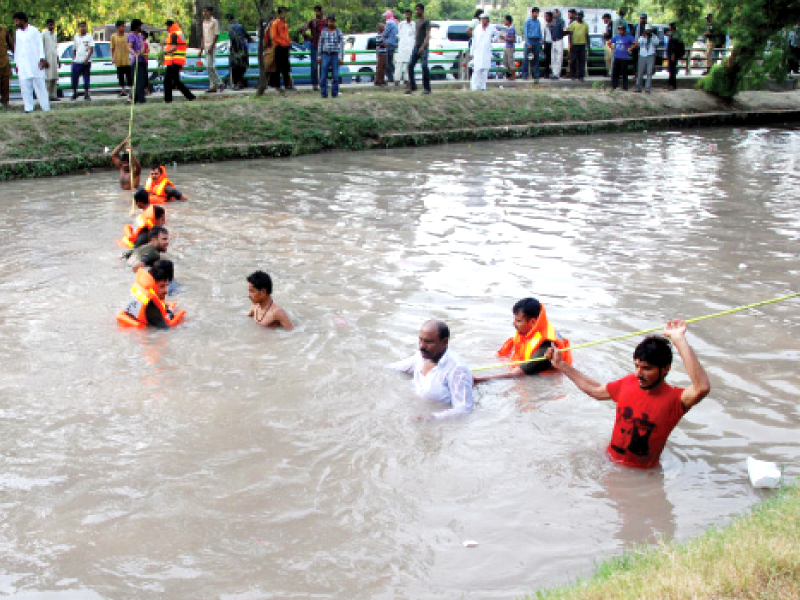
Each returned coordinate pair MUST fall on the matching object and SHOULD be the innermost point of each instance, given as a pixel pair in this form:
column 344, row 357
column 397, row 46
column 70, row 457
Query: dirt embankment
column 78, row 138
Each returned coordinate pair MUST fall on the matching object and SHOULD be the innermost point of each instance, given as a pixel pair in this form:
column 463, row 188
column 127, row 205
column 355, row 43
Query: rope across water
column 644, row 331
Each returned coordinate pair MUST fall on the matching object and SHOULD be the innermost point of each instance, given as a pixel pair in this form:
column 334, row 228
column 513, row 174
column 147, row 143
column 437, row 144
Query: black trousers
column 125, row 76
column 578, row 62
column 282, row 68
column 672, row 68
column 141, row 82
column 172, row 80
column 620, row 69
column 548, row 59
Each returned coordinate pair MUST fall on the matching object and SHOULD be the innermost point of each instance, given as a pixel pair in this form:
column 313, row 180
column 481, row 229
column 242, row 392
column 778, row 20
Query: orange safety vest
column 143, row 221
column 520, row 348
column 156, row 190
column 175, row 54
column 143, row 293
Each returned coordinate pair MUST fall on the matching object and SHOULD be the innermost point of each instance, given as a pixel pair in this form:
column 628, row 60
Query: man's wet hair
column 162, row 270
column 442, row 330
column 655, row 350
column 141, row 196
column 157, row 231
column 261, row 281
column 530, row 307
column 159, row 212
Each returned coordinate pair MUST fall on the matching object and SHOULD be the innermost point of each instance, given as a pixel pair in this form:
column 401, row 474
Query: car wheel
column 365, row 75
column 438, row 74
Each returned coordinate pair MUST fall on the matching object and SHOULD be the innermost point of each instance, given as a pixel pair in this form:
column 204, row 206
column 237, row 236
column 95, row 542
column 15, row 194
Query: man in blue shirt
column 532, row 32
column 390, row 39
column 621, row 43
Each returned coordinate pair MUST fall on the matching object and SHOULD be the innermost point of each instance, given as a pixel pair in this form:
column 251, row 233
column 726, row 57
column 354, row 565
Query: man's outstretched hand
column 676, row 329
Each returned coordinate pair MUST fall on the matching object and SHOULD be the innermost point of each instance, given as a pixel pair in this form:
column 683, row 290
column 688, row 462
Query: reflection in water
column 222, row 460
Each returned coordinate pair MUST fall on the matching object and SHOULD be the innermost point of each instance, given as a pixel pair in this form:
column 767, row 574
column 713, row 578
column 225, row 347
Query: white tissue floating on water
column 742, row 266
column 763, row 474
column 470, row 544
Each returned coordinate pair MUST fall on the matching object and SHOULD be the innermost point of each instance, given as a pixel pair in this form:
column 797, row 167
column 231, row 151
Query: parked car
column 448, row 38
column 364, row 65
column 197, row 76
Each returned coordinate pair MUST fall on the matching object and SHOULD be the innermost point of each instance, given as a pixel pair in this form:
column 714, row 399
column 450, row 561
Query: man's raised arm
column 586, row 384
column 701, row 386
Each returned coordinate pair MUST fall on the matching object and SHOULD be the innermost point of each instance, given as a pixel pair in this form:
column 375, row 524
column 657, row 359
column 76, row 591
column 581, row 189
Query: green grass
column 756, row 557
column 73, row 137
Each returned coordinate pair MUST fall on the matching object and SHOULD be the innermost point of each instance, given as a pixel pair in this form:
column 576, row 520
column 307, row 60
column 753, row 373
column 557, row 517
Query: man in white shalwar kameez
column 51, row 56
column 481, row 52
column 406, row 33
column 30, row 63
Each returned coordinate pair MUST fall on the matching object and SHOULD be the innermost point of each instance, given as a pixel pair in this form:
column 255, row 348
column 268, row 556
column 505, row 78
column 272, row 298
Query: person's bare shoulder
column 282, row 318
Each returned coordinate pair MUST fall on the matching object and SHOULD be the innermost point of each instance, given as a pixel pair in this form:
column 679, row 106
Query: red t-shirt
column 644, row 421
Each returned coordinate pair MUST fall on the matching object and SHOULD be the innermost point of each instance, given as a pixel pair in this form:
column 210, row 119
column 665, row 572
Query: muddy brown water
column 220, row 460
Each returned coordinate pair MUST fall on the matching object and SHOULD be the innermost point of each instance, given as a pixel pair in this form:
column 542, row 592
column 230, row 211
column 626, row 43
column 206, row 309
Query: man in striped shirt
column 330, row 55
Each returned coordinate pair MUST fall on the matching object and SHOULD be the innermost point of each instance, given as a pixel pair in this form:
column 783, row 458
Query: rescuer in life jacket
column 534, row 336
column 138, row 234
column 160, row 188
column 147, row 306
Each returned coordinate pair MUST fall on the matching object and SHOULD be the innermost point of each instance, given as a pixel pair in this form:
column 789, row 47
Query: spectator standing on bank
column 390, row 38
column 793, row 41
column 578, row 36
column 174, row 60
column 279, row 33
column 406, row 33
column 620, row 20
column 646, row 45
column 209, row 46
column 138, row 60
column 313, row 29
column 638, row 32
column 420, row 52
column 532, row 32
column 557, row 33
column 608, row 33
column 481, row 53
column 30, row 63
column 50, row 40
column 510, row 38
column 330, row 52
column 715, row 40
column 547, row 39
column 473, row 25
column 82, row 51
column 675, row 51
column 6, row 46
column 621, row 43
column 119, row 56
column 381, row 51
column 239, row 57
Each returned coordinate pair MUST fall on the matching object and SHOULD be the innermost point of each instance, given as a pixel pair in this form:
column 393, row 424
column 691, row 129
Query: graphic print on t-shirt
column 635, row 432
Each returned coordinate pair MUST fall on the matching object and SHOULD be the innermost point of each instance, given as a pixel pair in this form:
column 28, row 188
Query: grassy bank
column 755, row 557
column 74, row 138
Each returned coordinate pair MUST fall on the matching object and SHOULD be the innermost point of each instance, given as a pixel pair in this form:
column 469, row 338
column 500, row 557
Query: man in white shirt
column 406, row 32
column 209, row 45
column 82, row 50
column 646, row 44
column 440, row 375
column 481, row 52
column 30, row 63
column 51, row 56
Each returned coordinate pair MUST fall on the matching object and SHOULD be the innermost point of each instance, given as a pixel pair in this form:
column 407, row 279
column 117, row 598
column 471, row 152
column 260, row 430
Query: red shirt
column 644, row 421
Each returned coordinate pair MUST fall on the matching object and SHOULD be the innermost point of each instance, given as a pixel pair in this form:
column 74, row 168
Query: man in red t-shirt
column 648, row 408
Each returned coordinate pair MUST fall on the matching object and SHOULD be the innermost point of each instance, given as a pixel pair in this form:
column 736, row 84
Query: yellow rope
column 643, row 332
column 130, row 132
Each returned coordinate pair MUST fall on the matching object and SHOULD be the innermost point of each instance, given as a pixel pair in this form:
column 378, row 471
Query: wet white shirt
column 29, row 50
column 449, row 382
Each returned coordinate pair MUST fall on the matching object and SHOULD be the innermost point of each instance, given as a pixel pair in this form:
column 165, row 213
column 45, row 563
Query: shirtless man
column 264, row 310
column 122, row 162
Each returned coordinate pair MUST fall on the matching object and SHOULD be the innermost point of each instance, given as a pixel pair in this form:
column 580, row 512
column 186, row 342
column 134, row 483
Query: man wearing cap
column 646, row 47
column 51, row 57
column 174, row 60
column 532, row 32
column 481, row 52
column 638, row 32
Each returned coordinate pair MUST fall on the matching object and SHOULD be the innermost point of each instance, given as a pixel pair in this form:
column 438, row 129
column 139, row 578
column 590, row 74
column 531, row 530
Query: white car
column 364, row 73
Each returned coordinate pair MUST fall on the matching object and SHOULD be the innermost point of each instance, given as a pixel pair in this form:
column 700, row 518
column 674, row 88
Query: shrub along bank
column 75, row 138
column 756, row 557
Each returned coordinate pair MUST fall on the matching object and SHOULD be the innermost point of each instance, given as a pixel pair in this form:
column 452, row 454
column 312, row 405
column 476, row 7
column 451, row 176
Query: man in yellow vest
column 174, row 61
column 534, row 336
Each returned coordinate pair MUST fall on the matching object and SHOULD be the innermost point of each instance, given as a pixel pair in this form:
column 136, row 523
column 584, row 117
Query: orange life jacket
column 143, row 293
column 521, row 348
column 143, row 221
column 175, row 54
column 156, row 190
